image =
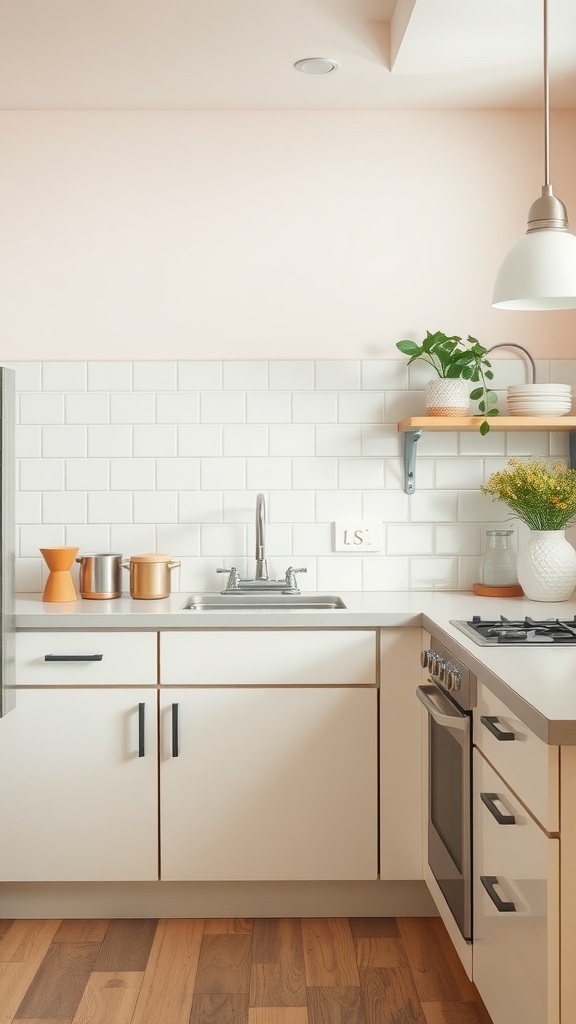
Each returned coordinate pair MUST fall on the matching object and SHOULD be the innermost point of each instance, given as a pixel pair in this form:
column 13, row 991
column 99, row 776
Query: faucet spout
column 261, row 563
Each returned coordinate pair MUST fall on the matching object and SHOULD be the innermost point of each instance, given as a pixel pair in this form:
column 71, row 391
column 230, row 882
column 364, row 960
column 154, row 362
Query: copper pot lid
column 151, row 558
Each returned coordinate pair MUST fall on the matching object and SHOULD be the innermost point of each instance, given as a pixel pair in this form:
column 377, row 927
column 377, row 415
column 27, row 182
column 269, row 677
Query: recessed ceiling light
column 316, row 65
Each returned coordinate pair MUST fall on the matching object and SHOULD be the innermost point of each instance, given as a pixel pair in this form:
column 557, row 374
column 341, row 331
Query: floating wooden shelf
column 413, row 426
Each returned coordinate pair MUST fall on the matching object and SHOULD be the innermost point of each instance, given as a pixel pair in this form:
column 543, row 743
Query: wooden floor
column 261, row 971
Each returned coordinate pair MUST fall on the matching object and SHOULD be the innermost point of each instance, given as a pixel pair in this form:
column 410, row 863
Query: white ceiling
column 239, row 54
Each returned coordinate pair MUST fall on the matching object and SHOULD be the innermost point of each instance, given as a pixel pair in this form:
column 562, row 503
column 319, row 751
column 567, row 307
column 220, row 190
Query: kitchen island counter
column 537, row 683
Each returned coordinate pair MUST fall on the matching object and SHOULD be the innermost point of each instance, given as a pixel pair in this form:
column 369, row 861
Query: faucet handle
column 233, row 579
column 290, row 577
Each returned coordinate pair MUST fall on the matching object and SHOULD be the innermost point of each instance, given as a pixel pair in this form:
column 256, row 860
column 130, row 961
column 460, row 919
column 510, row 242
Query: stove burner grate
column 506, row 631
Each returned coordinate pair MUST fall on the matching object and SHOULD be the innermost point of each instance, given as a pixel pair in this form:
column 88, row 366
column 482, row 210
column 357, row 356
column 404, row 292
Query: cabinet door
column 77, row 802
column 268, row 784
column 515, row 906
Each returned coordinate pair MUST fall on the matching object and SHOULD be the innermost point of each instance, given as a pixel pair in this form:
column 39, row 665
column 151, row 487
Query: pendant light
column 539, row 272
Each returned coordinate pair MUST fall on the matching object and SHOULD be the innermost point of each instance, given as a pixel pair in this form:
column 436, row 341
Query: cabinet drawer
column 530, row 766
column 268, row 658
column 516, row 907
column 76, row 659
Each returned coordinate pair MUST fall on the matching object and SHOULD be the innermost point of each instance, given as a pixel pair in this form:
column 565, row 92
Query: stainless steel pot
column 100, row 576
column 150, row 576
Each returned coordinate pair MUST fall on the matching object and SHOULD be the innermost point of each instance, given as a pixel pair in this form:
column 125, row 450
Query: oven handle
column 456, row 720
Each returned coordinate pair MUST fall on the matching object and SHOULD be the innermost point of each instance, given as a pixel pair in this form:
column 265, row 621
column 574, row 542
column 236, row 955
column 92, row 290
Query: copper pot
column 150, row 576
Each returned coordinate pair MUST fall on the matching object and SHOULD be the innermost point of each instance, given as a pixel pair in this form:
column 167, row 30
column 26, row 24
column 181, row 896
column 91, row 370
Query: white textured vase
column 547, row 566
column 447, row 396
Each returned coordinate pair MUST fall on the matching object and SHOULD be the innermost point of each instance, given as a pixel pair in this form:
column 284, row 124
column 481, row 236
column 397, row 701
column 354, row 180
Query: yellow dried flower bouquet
column 543, row 496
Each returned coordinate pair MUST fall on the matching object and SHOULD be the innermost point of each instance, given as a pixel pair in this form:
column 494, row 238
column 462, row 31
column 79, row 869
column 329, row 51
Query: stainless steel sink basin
column 261, row 602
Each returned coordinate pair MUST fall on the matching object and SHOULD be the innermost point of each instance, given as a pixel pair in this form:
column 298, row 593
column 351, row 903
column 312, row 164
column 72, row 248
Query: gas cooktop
column 515, row 632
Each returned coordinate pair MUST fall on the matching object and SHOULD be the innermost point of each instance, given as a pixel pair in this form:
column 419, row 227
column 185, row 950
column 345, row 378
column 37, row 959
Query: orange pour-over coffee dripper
column 59, row 585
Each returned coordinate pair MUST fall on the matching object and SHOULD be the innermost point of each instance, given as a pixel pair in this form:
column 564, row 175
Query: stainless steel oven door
column 449, row 801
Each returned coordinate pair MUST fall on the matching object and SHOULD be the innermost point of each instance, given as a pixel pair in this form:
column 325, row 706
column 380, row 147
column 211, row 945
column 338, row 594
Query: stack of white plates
column 539, row 399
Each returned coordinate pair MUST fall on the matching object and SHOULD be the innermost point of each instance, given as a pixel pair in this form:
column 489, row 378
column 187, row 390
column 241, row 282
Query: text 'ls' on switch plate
column 357, row 536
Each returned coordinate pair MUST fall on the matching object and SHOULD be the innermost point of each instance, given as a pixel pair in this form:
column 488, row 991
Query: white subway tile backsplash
column 222, row 474
column 63, row 442
column 41, row 474
column 338, row 439
column 109, row 441
column 361, row 474
column 338, row 374
column 181, row 408
column 199, row 440
column 314, row 407
column 32, row 538
column 109, row 507
column 409, row 539
column 157, row 440
column 220, row 407
column 130, row 407
column 314, row 474
column 245, row 439
column 155, row 506
column 159, row 455
column 154, row 376
column 86, row 408
column 291, row 439
column 202, row 375
column 360, row 407
column 268, row 407
column 41, row 408
column 108, row 376
column 64, row 507
column 87, row 474
column 247, row 375
column 269, row 473
column 291, row 375
column 28, row 442
column 132, row 474
column 333, row 505
column 64, row 377
column 177, row 474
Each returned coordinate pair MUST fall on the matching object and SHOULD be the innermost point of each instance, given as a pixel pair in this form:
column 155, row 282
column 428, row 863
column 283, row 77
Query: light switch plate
column 357, row 535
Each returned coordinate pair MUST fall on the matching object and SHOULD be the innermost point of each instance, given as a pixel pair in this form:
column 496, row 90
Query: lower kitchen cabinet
column 78, row 799
column 262, row 783
column 516, row 905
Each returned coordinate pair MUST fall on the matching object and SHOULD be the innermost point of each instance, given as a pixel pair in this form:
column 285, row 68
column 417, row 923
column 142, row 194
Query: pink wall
column 256, row 235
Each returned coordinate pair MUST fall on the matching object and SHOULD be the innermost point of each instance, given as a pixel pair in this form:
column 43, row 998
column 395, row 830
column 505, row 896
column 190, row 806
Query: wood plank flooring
column 257, row 971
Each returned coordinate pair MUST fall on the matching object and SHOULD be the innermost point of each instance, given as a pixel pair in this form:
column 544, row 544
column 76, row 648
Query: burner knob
column 453, row 678
column 442, row 670
column 424, row 656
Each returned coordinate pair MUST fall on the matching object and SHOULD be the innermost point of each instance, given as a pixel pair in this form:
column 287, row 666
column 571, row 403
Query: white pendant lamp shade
column 539, row 272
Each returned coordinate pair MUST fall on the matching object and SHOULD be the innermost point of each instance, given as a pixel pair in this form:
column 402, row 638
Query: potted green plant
column 455, row 362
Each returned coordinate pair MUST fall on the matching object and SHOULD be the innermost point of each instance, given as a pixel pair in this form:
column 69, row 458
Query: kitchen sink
column 261, row 602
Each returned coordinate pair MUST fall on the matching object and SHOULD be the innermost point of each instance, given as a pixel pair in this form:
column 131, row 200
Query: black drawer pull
column 175, row 731
column 502, row 819
column 502, row 906
column 141, row 724
column 73, row 657
column 491, row 723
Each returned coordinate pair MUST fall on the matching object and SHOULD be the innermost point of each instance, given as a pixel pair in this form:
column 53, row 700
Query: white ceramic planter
column 547, row 566
column 447, row 396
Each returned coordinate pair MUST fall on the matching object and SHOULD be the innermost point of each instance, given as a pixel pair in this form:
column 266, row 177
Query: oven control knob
column 453, row 678
column 424, row 656
column 441, row 673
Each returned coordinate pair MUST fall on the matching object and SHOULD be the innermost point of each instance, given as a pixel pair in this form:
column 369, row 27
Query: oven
column 448, row 697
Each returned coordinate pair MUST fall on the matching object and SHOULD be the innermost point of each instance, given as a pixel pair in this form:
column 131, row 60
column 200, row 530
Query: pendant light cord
column 546, row 104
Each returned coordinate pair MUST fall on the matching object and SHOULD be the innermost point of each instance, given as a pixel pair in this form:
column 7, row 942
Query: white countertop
column 537, row 683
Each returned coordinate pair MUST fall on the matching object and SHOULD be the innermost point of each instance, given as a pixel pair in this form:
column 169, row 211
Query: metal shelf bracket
column 411, row 438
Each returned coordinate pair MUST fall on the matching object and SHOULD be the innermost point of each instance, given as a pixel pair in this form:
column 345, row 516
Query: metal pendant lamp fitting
column 539, row 272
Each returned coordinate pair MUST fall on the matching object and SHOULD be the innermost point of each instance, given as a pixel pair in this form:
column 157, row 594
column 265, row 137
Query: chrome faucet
column 261, row 581
column 261, row 563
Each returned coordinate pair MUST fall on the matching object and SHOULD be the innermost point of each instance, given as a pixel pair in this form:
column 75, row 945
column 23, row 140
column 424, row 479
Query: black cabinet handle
column 175, row 731
column 502, row 819
column 491, row 723
column 141, row 725
column 502, row 906
column 73, row 657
